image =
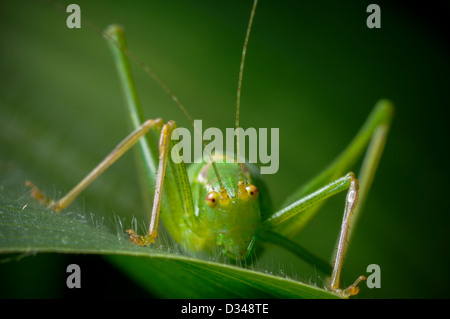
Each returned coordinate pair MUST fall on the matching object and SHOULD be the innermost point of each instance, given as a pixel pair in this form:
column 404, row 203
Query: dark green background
column 314, row 70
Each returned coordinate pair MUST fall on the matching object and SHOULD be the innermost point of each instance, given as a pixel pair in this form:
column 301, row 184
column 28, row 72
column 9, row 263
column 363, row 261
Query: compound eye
column 212, row 199
column 252, row 191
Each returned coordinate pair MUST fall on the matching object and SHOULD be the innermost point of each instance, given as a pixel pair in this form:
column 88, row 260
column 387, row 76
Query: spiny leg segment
column 116, row 153
column 164, row 145
column 350, row 206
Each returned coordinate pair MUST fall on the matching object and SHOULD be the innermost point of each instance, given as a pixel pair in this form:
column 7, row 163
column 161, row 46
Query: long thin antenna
column 241, row 74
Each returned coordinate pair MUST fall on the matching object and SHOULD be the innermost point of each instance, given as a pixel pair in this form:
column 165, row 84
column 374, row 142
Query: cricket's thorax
column 228, row 225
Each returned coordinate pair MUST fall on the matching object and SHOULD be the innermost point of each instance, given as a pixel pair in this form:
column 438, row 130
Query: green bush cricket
column 222, row 206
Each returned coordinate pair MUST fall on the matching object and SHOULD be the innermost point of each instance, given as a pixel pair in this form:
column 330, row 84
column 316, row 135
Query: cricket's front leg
column 350, row 205
column 347, row 183
column 164, row 145
column 115, row 154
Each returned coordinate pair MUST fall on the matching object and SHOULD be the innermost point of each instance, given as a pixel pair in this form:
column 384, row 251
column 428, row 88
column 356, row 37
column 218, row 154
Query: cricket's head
column 236, row 214
column 231, row 210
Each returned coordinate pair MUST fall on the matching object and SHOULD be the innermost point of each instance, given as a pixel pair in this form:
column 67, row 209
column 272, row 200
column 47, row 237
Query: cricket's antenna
column 241, row 73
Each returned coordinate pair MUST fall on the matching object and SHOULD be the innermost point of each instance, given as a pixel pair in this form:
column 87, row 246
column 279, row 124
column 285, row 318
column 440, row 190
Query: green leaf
column 27, row 229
